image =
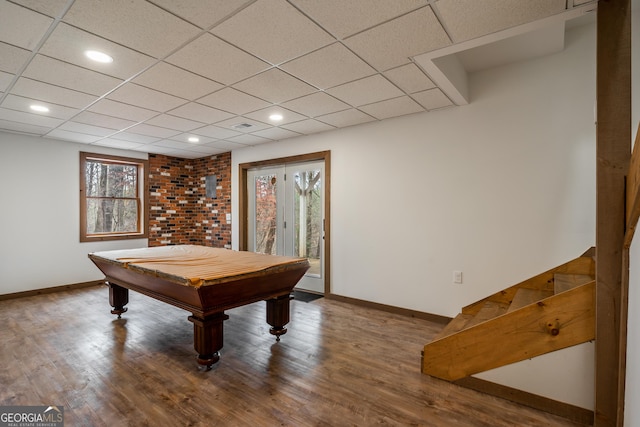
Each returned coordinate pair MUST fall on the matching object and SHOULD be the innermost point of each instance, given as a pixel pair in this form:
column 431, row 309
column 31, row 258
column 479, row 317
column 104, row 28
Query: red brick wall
column 180, row 212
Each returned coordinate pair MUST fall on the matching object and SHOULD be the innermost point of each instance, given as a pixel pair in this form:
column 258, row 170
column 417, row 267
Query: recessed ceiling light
column 193, row 139
column 94, row 55
column 275, row 117
column 39, row 108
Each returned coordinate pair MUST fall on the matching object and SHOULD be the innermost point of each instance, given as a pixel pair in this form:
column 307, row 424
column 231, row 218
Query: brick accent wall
column 180, row 212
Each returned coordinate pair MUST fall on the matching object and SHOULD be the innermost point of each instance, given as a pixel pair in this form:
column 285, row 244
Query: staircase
column 548, row 312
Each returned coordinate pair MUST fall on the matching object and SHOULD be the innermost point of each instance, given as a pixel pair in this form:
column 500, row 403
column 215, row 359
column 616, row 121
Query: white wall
column 502, row 189
column 39, row 214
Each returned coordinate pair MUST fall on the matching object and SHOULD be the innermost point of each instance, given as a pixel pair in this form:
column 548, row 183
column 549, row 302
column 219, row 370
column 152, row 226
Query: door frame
column 243, row 202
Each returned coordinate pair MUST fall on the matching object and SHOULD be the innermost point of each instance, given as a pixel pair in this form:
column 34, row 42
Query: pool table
column 204, row 281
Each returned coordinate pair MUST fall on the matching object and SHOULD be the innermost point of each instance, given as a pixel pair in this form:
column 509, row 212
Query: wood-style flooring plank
column 338, row 365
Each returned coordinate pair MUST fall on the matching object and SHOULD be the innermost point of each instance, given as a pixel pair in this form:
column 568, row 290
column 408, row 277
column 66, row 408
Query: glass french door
column 286, row 208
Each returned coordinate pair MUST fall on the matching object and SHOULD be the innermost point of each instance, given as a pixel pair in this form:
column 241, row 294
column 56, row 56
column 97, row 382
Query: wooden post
column 613, row 141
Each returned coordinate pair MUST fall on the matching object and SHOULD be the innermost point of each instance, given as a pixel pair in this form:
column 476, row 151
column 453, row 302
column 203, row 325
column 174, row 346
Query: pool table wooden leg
column 208, row 337
column 118, row 298
column 278, row 314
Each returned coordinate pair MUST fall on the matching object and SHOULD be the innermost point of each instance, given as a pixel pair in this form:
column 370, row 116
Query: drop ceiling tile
column 226, row 145
column 52, row 8
column 176, row 81
column 22, row 27
column 234, row 101
column 169, row 143
column 50, row 93
column 329, row 66
column 87, row 129
column 316, row 104
column 184, row 137
column 119, row 143
column 68, row 44
column 202, row 56
column 72, row 136
column 19, row 103
column 392, row 108
column 12, row 126
column 28, row 118
column 344, row 18
column 203, row 13
column 345, row 118
column 5, row 80
column 392, row 44
column 131, row 93
column 216, row 132
column 366, row 91
column 12, row 58
column 275, row 86
column 134, row 137
column 123, row 111
column 288, row 116
column 231, row 123
column 174, row 122
column 95, row 119
column 69, row 76
column 432, row 99
column 273, row 30
column 410, row 78
column 200, row 112
column 276, row 133
column 468, row 19
column 154, row 131
column 308, row 126
column 205, row 149
column 137, row 24
column 249, row 139
column 157, row 149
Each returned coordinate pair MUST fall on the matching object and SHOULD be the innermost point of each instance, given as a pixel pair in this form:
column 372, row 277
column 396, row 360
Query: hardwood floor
column 339, row 365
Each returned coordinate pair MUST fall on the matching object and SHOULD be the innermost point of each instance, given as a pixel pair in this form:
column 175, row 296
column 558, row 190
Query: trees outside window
column 112, row 197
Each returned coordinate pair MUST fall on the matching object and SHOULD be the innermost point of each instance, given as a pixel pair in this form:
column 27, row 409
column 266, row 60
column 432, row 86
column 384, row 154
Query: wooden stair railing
column 548, row 312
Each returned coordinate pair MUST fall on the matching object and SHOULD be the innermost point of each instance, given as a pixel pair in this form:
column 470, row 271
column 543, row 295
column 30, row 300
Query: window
column 113, row 194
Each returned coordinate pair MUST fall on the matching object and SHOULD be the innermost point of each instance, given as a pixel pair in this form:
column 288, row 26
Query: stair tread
column 457, row 324
column 488, row 311
column 564, row 282
column 526, row 296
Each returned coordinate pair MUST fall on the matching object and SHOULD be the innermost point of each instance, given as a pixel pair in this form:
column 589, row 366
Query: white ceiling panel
column 134, row 137
column 393, row 43
column 226, row 145
column 22, row 27
column 366, row 91
column 28, row 118
column 52, row 8
column 184, row 137
column 154, row 131
column 330, row 66
column 203, row 13
column 234, row 101
column 273, row 30
column 19, row 103
column 12, row 58
column 468, row 19
column 86, row 129
column 174, row 122
column 5, row 81
column 232, row 123
column 216, row 132
column 276, row 133
column 346, row 118
column 69, row 44
column 176, row 81
column 409, row 78
column 123, row 111
column 249, row 139
column 34, row 129
column 392, row 108
column 316, row 104
column 432, row 99
column 74, row 136
column 288, row 116
column 50, row 93
column 308, row 126
column 344, row 18
column 133, row 94
column 201, row 113
column 138, row 24
column 66, row 75
column 95, row 119
column 275, row 86
column 119, row 143
column 216, row 59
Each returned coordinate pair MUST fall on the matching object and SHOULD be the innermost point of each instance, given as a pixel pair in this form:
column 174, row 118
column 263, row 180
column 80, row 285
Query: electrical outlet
column 457, row 277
